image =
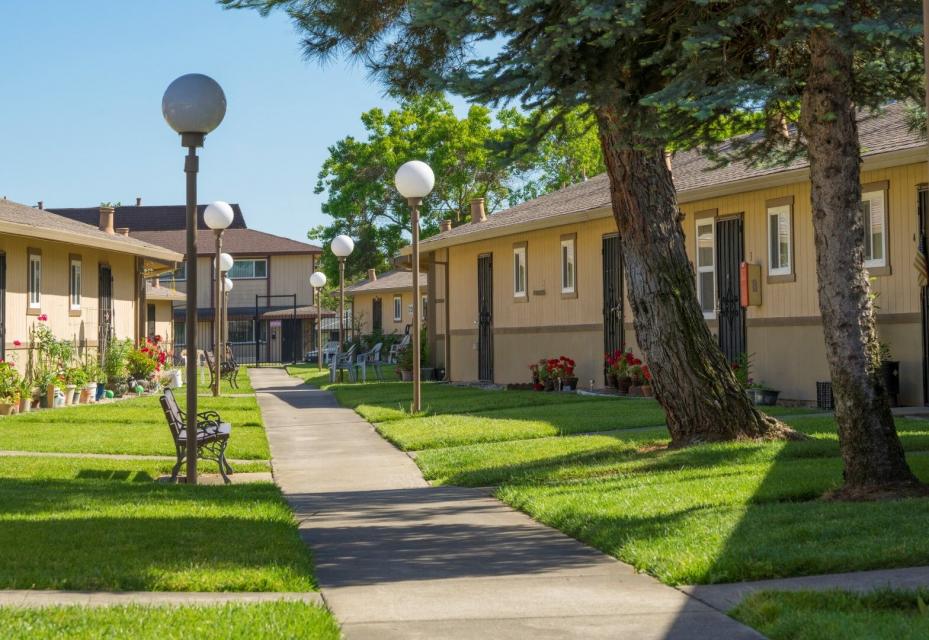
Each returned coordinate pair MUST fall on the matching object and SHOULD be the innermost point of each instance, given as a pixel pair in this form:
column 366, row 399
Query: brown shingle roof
column 878, row 133
column 163, row 293
column 34, row 221
column 395, row 280
column 148, row 217
column 235, row 242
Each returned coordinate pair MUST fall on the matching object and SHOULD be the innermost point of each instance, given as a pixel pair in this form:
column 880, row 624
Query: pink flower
column 43, row 318
column 17, row 343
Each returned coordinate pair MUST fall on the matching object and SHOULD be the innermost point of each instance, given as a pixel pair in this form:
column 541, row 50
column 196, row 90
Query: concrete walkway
column 29, row 598
column 397, row 558
column 725, row 596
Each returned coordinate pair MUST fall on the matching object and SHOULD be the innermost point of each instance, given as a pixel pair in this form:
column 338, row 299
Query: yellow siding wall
column 55, row 300
column 363, row 303
column 164, row 319
column 291, row 274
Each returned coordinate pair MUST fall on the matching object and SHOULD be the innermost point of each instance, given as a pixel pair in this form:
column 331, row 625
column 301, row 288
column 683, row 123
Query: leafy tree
column 809, row 66
column 555, row 57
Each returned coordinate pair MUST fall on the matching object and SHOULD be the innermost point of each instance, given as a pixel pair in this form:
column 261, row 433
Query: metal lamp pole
column 318, row 281
column 342, row 246
column 218, row 216
column 193, row 105
column 415, row 180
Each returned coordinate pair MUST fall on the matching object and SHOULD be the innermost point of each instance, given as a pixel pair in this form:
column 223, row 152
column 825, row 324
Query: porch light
column 415, row 180
column 193, row 105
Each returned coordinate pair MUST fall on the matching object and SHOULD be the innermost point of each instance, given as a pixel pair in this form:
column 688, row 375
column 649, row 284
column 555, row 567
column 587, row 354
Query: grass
column 223, row 622
column 203, row 382
column 809, row 615
column 599, row 470
column 136, row 426
column 91, row 524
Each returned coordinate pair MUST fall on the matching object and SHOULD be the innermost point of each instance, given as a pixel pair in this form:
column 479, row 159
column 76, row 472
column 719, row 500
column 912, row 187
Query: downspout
column 448, row 320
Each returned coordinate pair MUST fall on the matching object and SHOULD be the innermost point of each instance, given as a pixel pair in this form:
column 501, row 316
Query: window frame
column 33, row 256
column 568, row 240
column 74, row 260
column 700, row 218
column 781, row 273
column 398, row 307
column 237, row 321
column 520, row 249
column 171, row 276
column 243, row 261
column 179, row 328
column 151, row 319
column 879, row 267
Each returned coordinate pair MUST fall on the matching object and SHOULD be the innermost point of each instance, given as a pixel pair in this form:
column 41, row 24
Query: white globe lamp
column 194, row 103
column 225, row 262
column 228, row 284
column 414, row 179
column 318, row 280
column 218, row 215
column 342, row 246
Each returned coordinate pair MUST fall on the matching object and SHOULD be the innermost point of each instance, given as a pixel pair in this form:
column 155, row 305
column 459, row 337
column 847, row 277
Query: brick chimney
column 138, row 201
column 445, row 225
column 41, row 205
column 372, row 275
column 478, row 214
column 107, row 219
column 123, row 231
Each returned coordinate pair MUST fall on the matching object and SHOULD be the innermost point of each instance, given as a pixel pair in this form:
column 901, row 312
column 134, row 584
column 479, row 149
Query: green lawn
column 712, row 513
column 808, row 615
column 222, row 622
column 203, row 382
column 78, row 523
column 135, row 426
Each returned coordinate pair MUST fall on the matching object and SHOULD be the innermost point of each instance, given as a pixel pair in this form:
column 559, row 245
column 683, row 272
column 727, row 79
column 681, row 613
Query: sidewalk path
column 725, row 596
column 396, row 558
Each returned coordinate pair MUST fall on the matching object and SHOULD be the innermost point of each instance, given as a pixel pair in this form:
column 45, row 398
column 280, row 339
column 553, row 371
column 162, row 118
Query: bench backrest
column 173, row 414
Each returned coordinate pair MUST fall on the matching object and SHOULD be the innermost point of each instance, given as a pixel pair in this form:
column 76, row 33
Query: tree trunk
column 872, row 453
column 690, row 376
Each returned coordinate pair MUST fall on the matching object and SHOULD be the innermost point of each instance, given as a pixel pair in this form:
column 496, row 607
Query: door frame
column 619, row 340
column 718, row 247
column 485, row 326
column 922, row 220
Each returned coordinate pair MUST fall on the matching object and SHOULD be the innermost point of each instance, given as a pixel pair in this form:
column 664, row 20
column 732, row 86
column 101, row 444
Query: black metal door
column 612, row 294
column 922, row 238
column 730, row 252
column 377, row 317
column 105, row 304
column 290, row 340
column 3, row 306
column 485, row 309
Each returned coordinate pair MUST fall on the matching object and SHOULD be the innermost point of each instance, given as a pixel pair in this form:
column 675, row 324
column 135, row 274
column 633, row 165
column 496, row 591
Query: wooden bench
column 212, row 435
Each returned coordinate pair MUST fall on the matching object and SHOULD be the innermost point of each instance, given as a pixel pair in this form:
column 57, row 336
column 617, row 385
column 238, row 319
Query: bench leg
column 177, row 467
column 221, row 460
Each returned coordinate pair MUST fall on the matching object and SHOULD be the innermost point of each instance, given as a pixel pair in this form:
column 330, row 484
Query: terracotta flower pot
column 7, row 408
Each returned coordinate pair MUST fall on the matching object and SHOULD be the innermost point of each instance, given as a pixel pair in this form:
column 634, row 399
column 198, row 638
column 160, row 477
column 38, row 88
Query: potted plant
column 636, row 378
column 91, row 373
column 757, row 392
column 9, row 388
column 566, row 374
column 625, row 372
column 405, row 364
column 611, row 361
column 25, row 391
column 647, row 382
column 536, row 380
column 76, row 380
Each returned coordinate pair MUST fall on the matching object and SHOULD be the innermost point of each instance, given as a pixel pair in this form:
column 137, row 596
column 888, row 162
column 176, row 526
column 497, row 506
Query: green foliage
column 9, row 383
column 115, row 361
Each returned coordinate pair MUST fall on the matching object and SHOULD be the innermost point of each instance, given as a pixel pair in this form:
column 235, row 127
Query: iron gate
column 272, row 334
column 923, row 236
column 485, row 328
column 105, row 314
column 730, row 253
column 612, row 259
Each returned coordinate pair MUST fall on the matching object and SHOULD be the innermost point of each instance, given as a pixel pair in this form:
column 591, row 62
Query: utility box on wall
column 750, row 284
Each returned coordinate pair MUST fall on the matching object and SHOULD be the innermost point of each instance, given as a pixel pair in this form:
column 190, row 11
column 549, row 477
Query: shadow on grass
column 100, row 534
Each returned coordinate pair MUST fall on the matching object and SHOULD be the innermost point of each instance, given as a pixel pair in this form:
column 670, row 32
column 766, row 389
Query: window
column 180, row 332
column 150, row 321
column 780, row 249
column 874, row 213
column 178, row 274
column 519, row 270
column 377, row 316
column 567, row 264
column 423, row 310
column 706, row 267
column 249, row 268
column 74, row 284
column 398, row 308
column 241, row 331
column 35, row 279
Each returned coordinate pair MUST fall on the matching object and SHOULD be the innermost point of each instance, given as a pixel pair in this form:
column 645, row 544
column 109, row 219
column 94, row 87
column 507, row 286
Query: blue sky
column 80, row 112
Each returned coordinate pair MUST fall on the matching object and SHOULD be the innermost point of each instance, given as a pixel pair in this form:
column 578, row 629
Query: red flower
column 17, row 343
column 43, row 318
column 646, row 373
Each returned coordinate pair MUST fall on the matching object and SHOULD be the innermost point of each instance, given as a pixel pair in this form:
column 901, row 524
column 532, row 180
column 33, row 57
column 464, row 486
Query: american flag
column 920, row 262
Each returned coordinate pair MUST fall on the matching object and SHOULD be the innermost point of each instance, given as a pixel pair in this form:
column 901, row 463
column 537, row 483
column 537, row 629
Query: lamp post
column 414, row 180
column 227, row 289
column 225, row 266
column 218, row 216
column 318, row 281
column 193, row 105
column 342, row 246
